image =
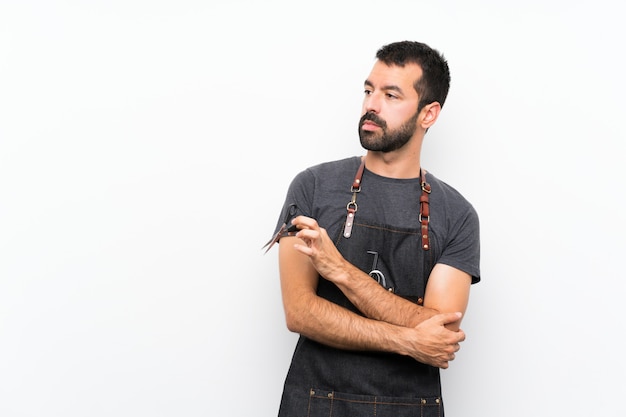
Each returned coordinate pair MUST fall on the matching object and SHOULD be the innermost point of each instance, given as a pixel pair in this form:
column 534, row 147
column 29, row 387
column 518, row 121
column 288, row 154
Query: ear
column 429, row 115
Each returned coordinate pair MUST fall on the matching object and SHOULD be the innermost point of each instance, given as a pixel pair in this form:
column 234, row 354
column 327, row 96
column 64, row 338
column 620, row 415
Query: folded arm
column 418, row 332
column 447, row 289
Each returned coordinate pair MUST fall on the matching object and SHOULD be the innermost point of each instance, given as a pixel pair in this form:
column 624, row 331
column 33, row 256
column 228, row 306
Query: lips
column 369, row 125
column 371, row 121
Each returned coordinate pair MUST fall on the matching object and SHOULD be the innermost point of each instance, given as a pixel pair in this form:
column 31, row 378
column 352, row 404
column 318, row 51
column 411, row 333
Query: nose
column 371, row 103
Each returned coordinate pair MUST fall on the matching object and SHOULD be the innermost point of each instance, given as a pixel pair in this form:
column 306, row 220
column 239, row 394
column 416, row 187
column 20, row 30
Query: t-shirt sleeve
column 297, row 194
column 462, row 251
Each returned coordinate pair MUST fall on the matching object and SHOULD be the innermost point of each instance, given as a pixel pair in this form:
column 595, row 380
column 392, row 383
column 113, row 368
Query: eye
column 367, row 92
column 391, row 96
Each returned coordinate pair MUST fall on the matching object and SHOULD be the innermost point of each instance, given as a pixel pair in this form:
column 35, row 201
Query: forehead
column 392, row 76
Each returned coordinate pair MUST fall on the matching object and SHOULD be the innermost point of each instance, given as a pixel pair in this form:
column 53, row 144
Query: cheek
column 405, row 115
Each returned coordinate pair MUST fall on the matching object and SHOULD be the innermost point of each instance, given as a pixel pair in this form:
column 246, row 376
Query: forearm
column 367, row 295
column 322, row 320
column 338, row 327
column 375, row 301
column 335, row 326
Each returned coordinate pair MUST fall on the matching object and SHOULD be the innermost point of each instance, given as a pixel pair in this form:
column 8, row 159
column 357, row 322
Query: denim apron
column 327, row 382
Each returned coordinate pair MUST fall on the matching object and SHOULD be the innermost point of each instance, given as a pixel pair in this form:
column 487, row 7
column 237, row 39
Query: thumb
column 446, row 318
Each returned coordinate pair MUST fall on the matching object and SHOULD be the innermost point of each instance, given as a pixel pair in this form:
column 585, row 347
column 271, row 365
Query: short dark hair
column 434, row 83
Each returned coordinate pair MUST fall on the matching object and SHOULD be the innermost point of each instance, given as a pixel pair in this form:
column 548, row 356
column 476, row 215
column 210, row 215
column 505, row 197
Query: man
column 377, row 256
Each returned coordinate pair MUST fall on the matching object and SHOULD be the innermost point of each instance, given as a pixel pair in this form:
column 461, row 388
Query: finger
column 304, row 222
column 307, row 235
column 304, row 249
column 461, row 335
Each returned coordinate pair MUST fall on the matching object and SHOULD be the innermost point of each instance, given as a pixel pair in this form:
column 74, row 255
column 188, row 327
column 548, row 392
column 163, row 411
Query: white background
column 146, row 147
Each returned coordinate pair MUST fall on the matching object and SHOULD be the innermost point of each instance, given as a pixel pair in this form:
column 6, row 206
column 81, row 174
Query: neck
column 397, row 164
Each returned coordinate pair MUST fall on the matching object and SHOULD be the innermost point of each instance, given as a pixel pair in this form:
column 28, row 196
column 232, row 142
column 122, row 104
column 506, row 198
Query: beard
column 386, row 140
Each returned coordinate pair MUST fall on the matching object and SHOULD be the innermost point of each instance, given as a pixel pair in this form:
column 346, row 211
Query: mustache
column 374, row 118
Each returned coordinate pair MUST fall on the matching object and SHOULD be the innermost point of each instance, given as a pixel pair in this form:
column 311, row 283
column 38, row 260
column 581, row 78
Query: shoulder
column 322, row 191
column 448, row 195
column 456, row 227
column 324, row 180
column 327, row 174
column 336, row 167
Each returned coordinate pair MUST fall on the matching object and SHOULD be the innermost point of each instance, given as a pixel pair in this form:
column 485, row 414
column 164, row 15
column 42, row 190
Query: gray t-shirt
column 323, row 192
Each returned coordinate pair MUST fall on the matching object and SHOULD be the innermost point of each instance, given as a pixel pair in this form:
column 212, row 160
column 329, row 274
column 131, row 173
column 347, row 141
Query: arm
column 325, row 322
column 447, row 290
column 319, row 319
column 375, row 301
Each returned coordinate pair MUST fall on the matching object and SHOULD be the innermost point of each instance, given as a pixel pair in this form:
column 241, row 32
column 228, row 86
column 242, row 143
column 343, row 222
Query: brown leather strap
column 352, row 207
column 424, row 215
column 356, row 184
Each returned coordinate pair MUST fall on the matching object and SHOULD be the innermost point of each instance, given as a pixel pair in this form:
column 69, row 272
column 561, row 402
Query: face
column 390, row 115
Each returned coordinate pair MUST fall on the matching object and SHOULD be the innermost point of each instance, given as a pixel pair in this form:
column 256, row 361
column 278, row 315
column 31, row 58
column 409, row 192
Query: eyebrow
column 368, row 83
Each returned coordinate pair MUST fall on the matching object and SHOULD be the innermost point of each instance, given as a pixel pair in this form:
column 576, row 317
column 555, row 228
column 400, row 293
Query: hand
column 432, row 343
column 318, row 246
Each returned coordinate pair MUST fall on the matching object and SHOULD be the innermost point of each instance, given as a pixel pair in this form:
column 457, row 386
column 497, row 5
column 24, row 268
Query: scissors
column 285, row 229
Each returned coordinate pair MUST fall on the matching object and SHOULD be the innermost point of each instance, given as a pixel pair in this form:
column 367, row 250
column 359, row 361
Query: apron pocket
column 324, row 403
